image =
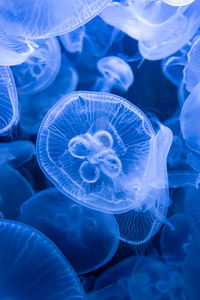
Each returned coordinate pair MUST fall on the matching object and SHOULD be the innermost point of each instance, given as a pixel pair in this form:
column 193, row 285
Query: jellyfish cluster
column 100, row 150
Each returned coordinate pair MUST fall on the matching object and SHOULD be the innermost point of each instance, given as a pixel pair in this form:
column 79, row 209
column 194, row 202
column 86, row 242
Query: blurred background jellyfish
column 9, row 113
column 87, row 238
column 100, row 150
column 32, row 267
column 36, row 19
column 116, row 73
column 40, row 69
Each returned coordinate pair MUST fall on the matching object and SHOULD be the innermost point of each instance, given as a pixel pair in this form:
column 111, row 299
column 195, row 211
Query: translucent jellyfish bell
column 116, row 73
column 9, row 113
column 87, row 238
column 33, row 268
column 30, row 19
column 40, row 69
column 178, row 2
column 98, row 149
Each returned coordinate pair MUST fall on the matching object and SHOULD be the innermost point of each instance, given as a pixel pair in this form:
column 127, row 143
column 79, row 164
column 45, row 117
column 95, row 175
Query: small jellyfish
column 32, row 267
column 189, row 120
column 87, row 238
column 9, row 113
column 98, row 149
column 116, row 73
column 73, row 41
column 14, row 190
column 40, row 69
column 178, row 2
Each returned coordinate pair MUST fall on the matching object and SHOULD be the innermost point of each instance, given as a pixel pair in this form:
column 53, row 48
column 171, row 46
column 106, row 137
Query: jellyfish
column 9, row 113
column 16, row 153
column 73, row 41
column 34, row 107
column 189, row 120
column 172, row 242
column 99, row 150
column 27, row 20
column 87, row 238
column 139, row 226
column 178, row 2
column 32, row 267
column 40, row 69
column 115, row 73
column 14, row 190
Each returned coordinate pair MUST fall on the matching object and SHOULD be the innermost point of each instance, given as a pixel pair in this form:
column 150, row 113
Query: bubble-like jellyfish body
column 172, row 242
column 32, row 267
column 178, row 2
column 14, row 190
column 40, row 69
column 34, row 107
column 115, row 73
column 41, row 19
column 16, row 153
column 191, row 71
column 9, row 113
column 138, row 227
column 189, row 120
column 98, row 149
column 154, row 279
column 161, row 29
column 87, row 238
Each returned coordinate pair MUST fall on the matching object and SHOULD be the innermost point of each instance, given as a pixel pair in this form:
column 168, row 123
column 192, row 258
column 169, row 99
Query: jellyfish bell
column 178, row 2
column 100, row 155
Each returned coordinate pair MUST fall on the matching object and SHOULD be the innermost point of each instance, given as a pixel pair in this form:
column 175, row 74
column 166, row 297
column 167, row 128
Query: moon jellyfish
column 32, row 267
column 34, row 107
column 172, row 242
column 189, row 120
column 40, row 69
column 16, row 153
column 9, row 113
column 139, row 226
column 115, row 73
column 178, row 2
column 73, row 41
column 87, row 238
column 99, row 150
column 29, row 20
column 14, row 190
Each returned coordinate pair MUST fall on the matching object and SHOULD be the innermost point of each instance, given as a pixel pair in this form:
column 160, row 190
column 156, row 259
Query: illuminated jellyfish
column 32, row 267
column 14, row 190
column 100, row 150
column 172, row 242
column 16, row 153
column 153, row 279
column 191, row 70
column 139, row 226
column 116, row 73
column 34, row 107
column 40, row 69
column 178, row 2
column 189, row 120
column 73, row 41
column 161, row 29
column 29, row 20
column 9, row 113
column 87, row 238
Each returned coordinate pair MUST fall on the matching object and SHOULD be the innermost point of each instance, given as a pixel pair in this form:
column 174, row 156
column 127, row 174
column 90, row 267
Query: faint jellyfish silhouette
column 34, row 107
column 40, row 69
column 178, row 2
column 192, row 207
column 100, row 154
column 172, row 242
column 193, row 160
column 73, row 41
column 16, row 153
column 32, row 267
column 87, row 238
column 9, row 113
column 116, row 73
column 139, row 226
column 27, row 20
column 189, row 120
column 14, row 190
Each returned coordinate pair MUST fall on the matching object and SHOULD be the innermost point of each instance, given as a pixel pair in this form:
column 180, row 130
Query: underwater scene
column 99, row 149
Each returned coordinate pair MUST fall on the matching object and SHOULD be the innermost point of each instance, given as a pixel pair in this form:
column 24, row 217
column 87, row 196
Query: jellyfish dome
column 98, row 149
column 41, row 19
column 178, row 2
column 32, row 267
column 9, row 113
